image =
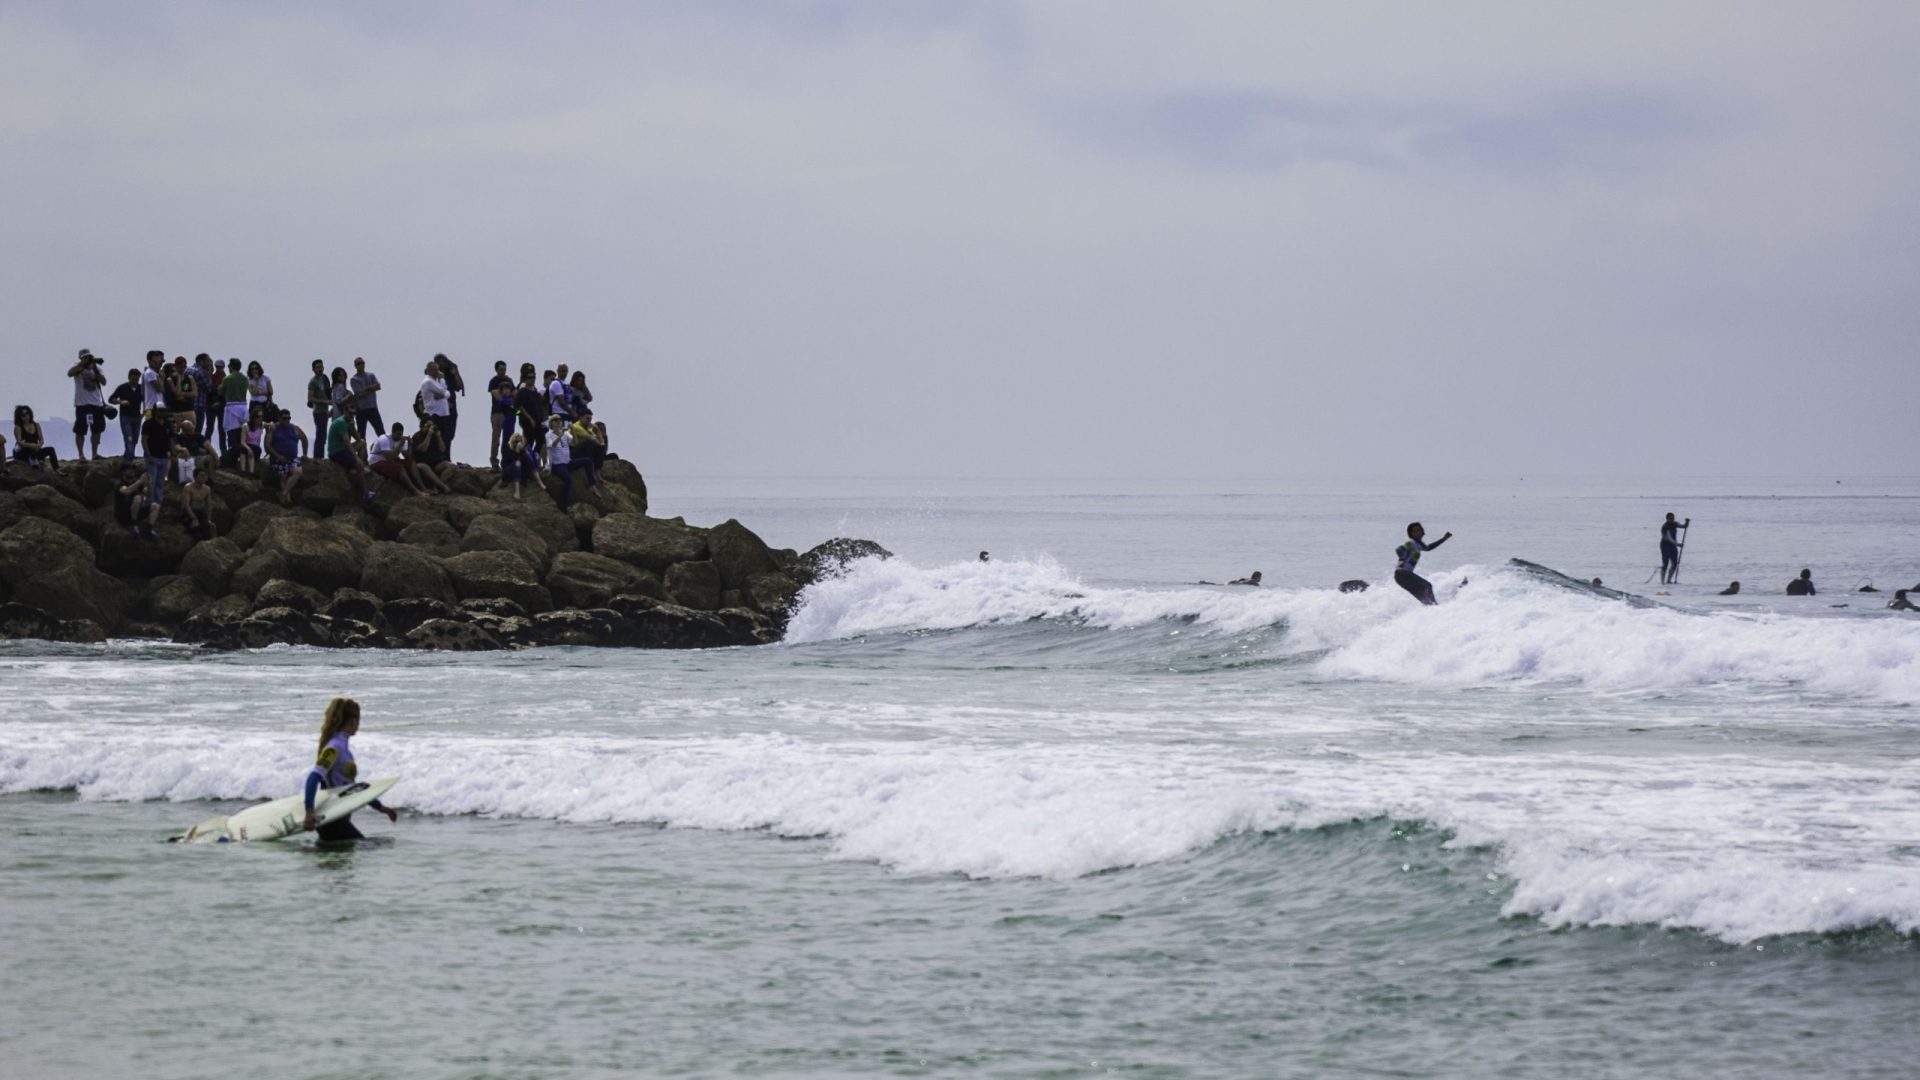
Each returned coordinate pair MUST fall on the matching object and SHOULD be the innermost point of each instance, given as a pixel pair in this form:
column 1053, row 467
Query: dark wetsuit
column 1670, row 552
column 1408, row 555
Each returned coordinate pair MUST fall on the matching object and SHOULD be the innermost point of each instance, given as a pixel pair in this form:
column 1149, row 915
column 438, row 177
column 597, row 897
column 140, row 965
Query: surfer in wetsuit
column 1408, row 555
column 335, row 768
column 1251, row 579
column 1670, row 549
column 1900, row 602
column 1802, row 585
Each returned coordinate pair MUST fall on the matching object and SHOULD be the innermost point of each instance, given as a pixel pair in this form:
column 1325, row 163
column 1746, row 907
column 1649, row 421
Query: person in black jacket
column 1802, row 585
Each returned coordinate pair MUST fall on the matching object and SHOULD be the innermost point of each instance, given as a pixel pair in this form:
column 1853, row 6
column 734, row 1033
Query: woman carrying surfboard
column 335, row 768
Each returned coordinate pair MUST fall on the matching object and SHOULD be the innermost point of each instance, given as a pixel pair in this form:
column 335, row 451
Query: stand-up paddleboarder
column 1672, row 539
column 1408, row 555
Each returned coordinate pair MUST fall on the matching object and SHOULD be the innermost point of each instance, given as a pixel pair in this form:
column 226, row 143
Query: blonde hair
column 341, row 711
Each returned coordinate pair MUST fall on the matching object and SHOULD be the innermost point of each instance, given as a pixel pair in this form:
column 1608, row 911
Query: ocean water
column 1062, row 813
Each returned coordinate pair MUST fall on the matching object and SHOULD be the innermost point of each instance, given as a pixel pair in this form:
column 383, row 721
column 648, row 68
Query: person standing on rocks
column 233, row 414
column 320, row 396
column 531, row 407
column 89, row 403
column 337, row 397
column 500, row 412
column 366, row 399
column 206, row 398
column 559, row 403
column 450, row 374
column 156, row 437
column 286, row 448
column 153, row 386
column 587, row 450
column 435, row 398
column 560, row 458
column 260, row 386
column 579, row 394
column 125, row 401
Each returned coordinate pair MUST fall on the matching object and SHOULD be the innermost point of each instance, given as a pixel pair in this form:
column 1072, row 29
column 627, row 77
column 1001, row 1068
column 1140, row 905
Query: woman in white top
column 259, row 386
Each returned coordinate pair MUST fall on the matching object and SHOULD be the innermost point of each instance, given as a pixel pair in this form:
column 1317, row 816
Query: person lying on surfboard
column 335, row 768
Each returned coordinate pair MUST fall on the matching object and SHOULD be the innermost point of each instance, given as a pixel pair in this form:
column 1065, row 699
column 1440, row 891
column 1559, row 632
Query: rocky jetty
column 477, row 569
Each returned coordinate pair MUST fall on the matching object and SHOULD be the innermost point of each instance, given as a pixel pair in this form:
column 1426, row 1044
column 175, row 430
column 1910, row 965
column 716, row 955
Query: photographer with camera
column 89, row 403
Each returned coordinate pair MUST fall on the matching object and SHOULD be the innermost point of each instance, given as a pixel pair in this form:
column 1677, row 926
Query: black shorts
column 85, row 416
column 1420, row 587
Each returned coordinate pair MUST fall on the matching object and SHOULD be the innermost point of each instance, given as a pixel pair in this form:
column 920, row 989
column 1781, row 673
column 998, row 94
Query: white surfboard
column 282, row 817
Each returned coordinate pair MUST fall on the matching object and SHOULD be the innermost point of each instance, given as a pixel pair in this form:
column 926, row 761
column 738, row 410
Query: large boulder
column 694, row 584
column 172, row 599
column 592, row 627
column 652, row 624
column 619, row 473
column 539, row 516
column 404, row 615
column 125, row 555
column 435, row 537
column 46, row 566
column 738, row 554
column 281, row 593
column 498, row 532
column 356, row 634
column 270, row 626
column 585, row 517
column 43, row 501
column 239, row 491
column 833, row 556
column 483, row 574
column 649, row 543
column 258, row 569
column 18, row 622
column 771, row 594
column 211, row 563
column 251, row 520
column 395, row 571
column 355, row 517
column 325, row 486
column 354, row 605
column 471, row 481
column 581, row 579
column 322, row 554
column 451, row 636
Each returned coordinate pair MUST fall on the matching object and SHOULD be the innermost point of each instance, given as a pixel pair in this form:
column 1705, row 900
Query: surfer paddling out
column 335, row 768
column 1408, row 555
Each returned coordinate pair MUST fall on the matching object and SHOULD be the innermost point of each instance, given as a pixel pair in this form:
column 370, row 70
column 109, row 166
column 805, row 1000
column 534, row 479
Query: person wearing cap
column 89, row 403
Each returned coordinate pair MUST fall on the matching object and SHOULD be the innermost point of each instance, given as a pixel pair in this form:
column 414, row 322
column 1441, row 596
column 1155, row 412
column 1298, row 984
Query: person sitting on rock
column 560, row 457
column 286, row 449
column 1732, row 589
column 428, row 450
column 587, row 450
column 341, row 452
column 520, row 464
column 1900, row 602
column 130, row 501
column 1251, row 579
column 29, row 444
column 417, row 475
column 197, row 502
column 1802, row 585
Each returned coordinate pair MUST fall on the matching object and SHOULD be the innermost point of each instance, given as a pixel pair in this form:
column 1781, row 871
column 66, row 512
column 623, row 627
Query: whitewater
column 1071, row 766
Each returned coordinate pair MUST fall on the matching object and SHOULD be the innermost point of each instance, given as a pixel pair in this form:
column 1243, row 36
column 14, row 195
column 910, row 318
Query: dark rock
column 353, row 605
column 483, row 574
column 394, row 571
column 324, row 486
column 832, row 557
column 1353, row 585
column 322, row 554
column 493, row 606
column 123, row 554
column 239, row 491
column 472, row 482
column 772, row 594
column 573, row 627
column 582, row 579
column 649, row 543
column 436, row 538
column 19, row 622
column 585, row 517
column 405, row 513
column 98, row 484
column 230, row 608
column 44, row 501
column 738, row 554
column 651, row 624
column 256, row 571
column 460, row 510
column 172, row 599
column 211, row 563
column 275, row 626
column 498, row 532
column 46, row 566
column 251, row 520
column 732, row 598
column 748, row 627
column 353, row 517
column 281, row 593
column 540, row 517
column 356, row 634
column 620, row 473
column 80, row 632
column 449, row 635
column 513, row 631
column 403, row 615
column 694, row 584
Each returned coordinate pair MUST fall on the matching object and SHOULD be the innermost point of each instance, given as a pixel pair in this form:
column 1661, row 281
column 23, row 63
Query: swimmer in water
column 1732, row 589
column 1252, row 579
column 1408, row 556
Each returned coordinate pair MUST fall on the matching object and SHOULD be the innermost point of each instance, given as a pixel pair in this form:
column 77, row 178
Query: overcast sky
column 1053, row 238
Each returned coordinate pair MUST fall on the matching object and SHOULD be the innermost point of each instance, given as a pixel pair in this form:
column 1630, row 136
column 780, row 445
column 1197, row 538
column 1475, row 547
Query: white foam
column 1732, row 846
column 1508, row 627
